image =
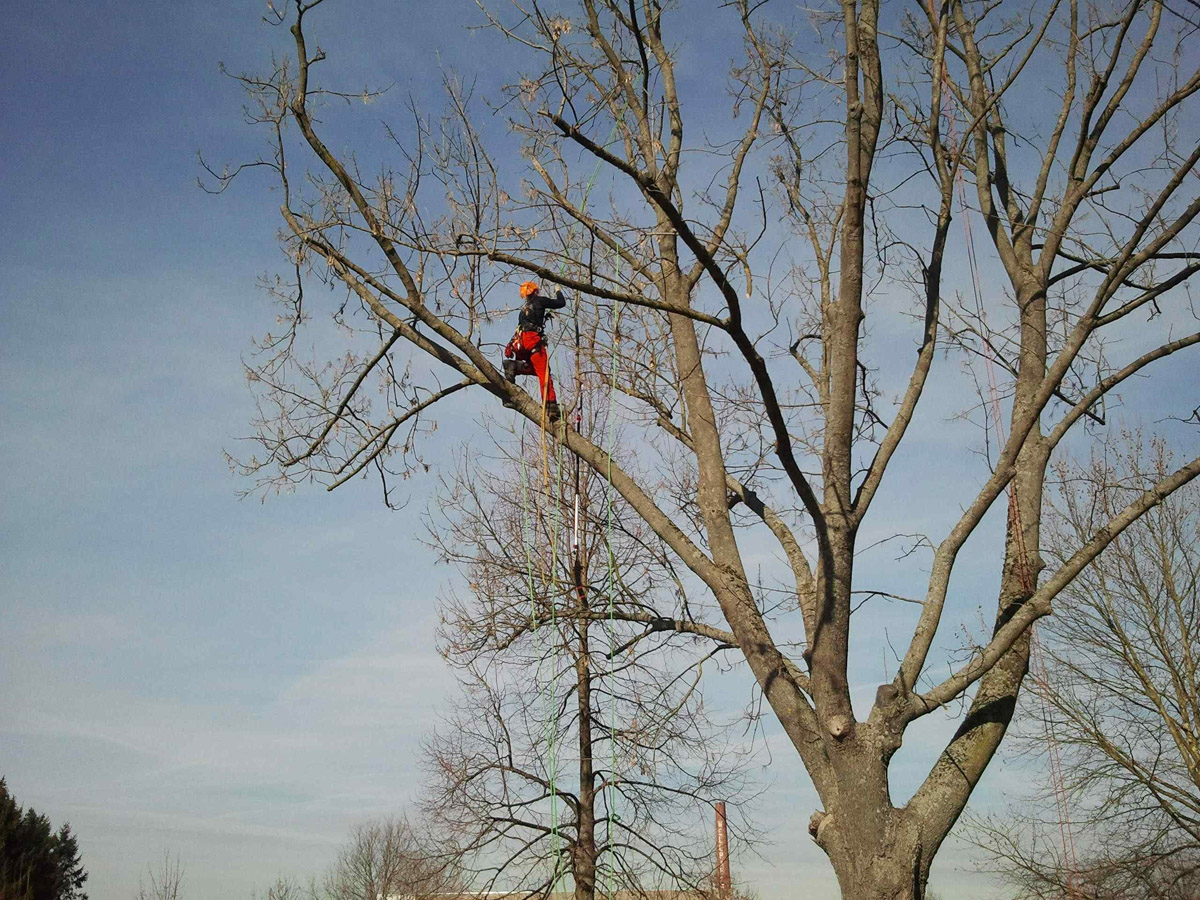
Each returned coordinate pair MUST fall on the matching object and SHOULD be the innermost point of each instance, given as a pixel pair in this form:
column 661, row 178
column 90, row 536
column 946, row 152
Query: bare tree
column 284, row 888
column 387, row 858
column 383, row 858
column 746, row 259
column 1124, row 699
column 166, row 882
column 580, row 754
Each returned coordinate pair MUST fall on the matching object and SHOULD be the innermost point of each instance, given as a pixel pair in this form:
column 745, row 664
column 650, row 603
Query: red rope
column 1036, row 662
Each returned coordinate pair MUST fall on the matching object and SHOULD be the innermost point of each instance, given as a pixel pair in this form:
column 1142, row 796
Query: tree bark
column 875, row 849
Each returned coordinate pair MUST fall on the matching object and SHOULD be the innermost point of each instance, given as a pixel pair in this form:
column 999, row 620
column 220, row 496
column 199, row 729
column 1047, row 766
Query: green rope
column 550, row 582
column 527, row 539
column 535, row 626
column 550, row 697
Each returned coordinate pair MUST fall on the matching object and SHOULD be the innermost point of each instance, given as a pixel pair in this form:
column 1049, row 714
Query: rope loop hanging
column 552, row 587
column 1026, row 578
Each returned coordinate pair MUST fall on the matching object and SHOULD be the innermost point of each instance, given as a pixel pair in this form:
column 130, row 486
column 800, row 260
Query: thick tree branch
column 1039, row 604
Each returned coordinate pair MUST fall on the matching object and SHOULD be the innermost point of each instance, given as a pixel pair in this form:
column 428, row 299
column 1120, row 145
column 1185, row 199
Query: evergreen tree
column 36, row 863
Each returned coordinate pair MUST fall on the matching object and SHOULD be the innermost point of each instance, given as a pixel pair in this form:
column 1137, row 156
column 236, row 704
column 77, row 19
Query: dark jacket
column 533, row 312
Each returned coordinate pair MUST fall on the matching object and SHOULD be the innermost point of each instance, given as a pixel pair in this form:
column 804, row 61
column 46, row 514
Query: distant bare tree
column 166, row 882
column 751, row 254
column 1123, row 688
column 387, row 858
column 284, row 888
column 579, row 755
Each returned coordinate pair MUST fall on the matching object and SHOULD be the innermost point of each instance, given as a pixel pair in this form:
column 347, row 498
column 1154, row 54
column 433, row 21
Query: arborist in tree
column 525, row 354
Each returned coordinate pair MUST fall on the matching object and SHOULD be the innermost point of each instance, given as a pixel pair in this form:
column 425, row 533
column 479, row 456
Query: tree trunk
column 895, row 873
column 882, row 857
column 876, row 849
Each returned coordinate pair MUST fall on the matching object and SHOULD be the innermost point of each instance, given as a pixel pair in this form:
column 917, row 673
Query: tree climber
column 525, row 354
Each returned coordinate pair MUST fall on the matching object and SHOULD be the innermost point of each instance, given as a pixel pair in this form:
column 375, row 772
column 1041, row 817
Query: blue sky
column 234, row 681
column 177, row 664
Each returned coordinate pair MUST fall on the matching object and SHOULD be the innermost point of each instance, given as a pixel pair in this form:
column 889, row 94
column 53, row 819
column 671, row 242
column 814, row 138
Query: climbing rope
column 528, row 534
column 1015, row 526
column 1021, row 562
column 550, row 582
column 610, row 580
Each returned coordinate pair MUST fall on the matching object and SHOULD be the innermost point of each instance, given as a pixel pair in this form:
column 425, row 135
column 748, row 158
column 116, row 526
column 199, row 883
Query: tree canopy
column 36, row 862
column 761, row 223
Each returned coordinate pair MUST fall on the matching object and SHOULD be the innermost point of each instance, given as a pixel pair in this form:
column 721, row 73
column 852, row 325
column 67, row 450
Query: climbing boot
column 510, row 371
column 552, row 412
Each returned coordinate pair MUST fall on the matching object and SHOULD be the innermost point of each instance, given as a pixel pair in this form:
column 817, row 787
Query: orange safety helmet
column 529, row 287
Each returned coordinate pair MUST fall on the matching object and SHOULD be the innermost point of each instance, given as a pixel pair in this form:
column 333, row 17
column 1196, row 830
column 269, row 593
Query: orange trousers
column 528, row 346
